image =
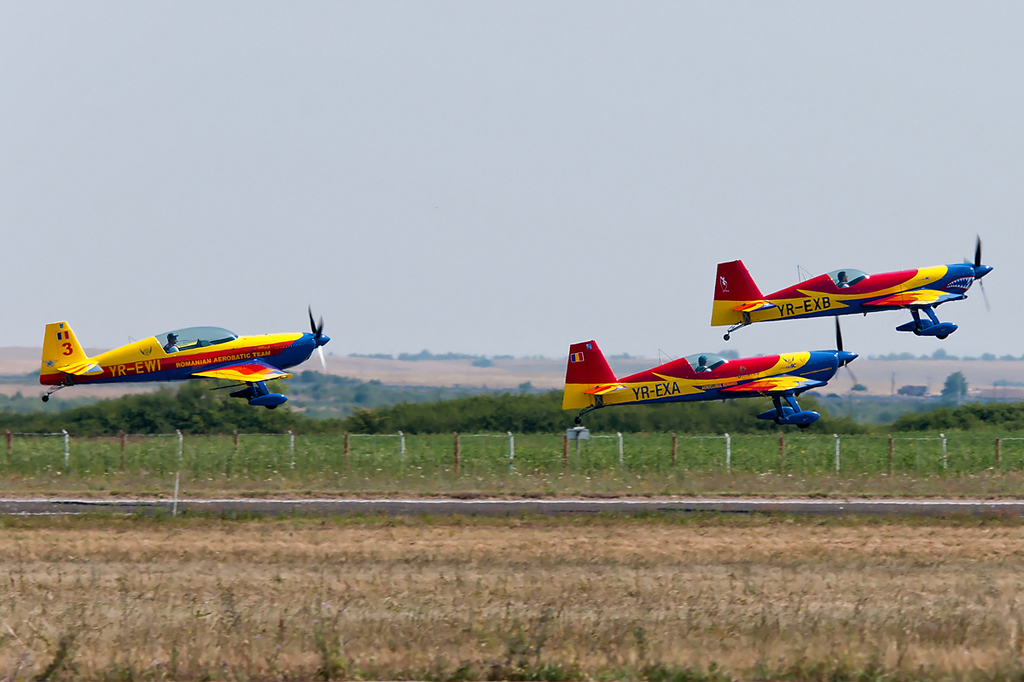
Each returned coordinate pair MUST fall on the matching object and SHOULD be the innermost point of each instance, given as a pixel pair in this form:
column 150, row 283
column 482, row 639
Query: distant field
column 470, row 599
column 318, row 465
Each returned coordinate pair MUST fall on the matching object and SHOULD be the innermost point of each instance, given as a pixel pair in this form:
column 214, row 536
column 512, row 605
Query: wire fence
column 33, row 454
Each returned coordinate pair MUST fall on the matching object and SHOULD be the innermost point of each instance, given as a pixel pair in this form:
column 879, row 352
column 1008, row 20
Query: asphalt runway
column 504, row 507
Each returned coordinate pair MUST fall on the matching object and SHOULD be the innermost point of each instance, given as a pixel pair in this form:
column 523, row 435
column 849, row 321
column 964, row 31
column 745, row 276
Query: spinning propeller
column 318, row 336
column 980, row 271
column 844, row 357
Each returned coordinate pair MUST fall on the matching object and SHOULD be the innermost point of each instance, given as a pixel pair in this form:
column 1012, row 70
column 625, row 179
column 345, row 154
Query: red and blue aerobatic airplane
column 192, row 353
column 590, row 383
column 738, row 301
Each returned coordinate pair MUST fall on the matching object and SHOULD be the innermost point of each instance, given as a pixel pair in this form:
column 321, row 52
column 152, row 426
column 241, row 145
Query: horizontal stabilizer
column 754, row 306
column 249, row 371
column 85, row 368
column 604, row 389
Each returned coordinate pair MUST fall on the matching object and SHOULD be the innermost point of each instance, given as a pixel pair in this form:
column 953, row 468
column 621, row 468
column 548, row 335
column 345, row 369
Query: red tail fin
column 585, row 369
column 734, row 283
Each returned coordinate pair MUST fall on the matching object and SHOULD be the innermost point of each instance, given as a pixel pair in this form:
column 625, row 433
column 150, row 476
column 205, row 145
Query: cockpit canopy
column 705, row 362
column 847, row 277
column 195, row 337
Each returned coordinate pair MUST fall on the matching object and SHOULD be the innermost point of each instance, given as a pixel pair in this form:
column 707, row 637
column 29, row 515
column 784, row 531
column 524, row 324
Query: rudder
column 585, row 368
column 60, row 348
column 733, row 286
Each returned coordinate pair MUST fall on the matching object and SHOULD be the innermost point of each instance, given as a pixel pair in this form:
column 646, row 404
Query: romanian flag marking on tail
column 62, row 335
column 576, row 357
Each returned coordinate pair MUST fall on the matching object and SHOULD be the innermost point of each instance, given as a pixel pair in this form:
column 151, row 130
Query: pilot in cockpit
column 702, row 364
column 172, row 344
column 842, row 282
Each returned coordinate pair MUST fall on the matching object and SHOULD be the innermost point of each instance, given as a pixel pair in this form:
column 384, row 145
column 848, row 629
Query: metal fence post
column 728, row 454
column 621, row 459
column 67, row 450
column 291, row 446
column 401, row 438
column 177, row 475
column 890, row 454
column 782, row 453
column 674, row 451
column 10, row 444
column 945, row 459
column 124, row 444
column 998, row 443
column 511, row 451
column 565, row 453
column 456, row 434
column 836, row 436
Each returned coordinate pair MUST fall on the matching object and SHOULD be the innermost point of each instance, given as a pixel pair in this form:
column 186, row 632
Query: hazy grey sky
column 502, row 177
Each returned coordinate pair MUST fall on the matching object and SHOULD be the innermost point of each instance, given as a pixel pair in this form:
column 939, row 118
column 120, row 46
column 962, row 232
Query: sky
column 503, row 177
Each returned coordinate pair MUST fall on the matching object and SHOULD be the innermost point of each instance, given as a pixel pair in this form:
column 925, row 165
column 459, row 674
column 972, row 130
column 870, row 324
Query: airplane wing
column 921, row 297
column 84, row 368
column 784, row 383
column 249, row 371
column 604, row 389
column 753, row 306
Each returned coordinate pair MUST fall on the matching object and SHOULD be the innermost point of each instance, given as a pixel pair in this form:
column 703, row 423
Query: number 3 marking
column 68, row 350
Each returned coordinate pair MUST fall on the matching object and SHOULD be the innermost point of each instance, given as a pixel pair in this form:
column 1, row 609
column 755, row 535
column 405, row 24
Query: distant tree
column 859, row 387
column 955, row 388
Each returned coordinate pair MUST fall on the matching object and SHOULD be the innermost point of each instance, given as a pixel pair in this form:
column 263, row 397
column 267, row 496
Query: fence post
column 67, row 451
column 291, row 446
column 836, row 436
column 124, row 444
column 401, row 438
column 236, row 441
column 782, row 453
column 945, row 459
column 998, row 442
column 728, row 454
column 565, row 453
column 346, row 443
column 10, row 444
column 177, row 474
column 511, row 451
column 674, row 452
column 890, row 454
column 456, row 434
column 621, row 459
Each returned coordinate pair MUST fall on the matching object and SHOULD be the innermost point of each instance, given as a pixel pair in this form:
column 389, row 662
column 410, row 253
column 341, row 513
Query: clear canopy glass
column 194, row 337
column 847, row 277
column 705, row 362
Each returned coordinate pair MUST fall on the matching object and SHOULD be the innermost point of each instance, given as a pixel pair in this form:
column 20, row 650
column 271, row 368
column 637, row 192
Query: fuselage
column 821, row 296
column 146, row 360
column 678, row 381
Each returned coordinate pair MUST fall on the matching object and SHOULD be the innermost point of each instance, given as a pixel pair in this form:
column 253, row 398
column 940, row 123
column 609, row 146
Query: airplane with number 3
column 192, row 353
column 590, row 383
column 738, row 301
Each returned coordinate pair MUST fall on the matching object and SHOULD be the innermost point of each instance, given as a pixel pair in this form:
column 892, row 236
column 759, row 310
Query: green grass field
column 279, row 464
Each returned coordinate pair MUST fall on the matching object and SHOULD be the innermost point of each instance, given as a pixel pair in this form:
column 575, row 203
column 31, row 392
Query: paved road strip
column 498, row 507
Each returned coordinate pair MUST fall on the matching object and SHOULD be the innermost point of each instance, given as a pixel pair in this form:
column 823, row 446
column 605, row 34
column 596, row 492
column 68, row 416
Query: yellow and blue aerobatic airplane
column 192, row 353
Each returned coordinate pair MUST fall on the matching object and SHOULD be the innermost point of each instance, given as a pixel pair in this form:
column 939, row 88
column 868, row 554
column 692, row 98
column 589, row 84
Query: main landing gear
column 928, row 327
column 789, row 413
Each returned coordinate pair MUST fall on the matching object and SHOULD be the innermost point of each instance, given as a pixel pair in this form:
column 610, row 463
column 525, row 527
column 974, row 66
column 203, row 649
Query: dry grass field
column 584, row 598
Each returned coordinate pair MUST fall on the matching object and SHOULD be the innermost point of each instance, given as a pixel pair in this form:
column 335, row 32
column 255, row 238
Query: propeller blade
column 988, row 308
column 977, row 253
column 317, row 329
column 323, row 362
column 852, row 375
column 839, row 335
